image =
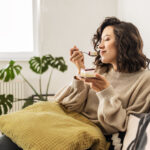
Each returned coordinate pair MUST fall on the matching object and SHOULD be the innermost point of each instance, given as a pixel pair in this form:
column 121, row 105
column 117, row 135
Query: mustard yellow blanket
column 47, row 126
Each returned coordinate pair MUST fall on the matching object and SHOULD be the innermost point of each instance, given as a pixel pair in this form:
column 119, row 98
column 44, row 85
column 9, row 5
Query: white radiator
column 17, row 89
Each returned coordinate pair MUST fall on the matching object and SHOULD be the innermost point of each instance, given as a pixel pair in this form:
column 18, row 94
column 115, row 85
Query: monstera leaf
column 59, row 63
column 10, row 72
column 5, row 103
column 40, row 65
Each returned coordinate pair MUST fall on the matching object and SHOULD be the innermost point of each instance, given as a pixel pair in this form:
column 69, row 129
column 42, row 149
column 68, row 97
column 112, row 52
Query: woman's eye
column 106, row 39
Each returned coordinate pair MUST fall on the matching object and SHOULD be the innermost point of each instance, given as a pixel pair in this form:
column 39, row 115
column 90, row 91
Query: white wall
column 63, row 24
column 137, row 12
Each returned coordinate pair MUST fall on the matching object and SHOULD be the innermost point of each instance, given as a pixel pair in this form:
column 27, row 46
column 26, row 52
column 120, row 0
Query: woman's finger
column 73, row 49
column 98, row 76
column 92, row 79
column 77, row 58
column 75, row 54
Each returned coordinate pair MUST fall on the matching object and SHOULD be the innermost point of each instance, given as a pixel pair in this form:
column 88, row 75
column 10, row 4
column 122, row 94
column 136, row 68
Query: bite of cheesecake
column 92, row 53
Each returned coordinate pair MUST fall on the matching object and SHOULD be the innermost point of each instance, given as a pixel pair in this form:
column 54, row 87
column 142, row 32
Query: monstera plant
column 5, row 103
column 38, row 65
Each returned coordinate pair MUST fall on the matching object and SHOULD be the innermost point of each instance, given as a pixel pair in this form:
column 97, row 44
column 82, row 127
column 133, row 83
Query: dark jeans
column 7, row 144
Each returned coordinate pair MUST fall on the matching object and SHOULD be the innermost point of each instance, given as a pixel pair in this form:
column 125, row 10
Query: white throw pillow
column 131, row 131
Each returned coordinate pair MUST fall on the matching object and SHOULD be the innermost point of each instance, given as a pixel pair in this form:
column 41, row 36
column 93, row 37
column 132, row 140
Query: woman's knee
column 7, row 144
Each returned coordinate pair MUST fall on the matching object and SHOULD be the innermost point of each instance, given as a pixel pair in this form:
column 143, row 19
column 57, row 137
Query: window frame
column 24, row 56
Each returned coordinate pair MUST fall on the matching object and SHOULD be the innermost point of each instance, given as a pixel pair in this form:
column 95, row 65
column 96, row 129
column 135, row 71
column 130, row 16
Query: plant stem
column 40, row 79
column 40, row 83
column 48, row 84
column 40, row 96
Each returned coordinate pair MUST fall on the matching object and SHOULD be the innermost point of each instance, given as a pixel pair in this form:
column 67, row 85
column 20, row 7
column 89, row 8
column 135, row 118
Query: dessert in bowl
column 87, row 73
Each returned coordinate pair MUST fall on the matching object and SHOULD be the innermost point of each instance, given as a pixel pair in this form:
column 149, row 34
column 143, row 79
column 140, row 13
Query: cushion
column 131, row 131
column 48, row 126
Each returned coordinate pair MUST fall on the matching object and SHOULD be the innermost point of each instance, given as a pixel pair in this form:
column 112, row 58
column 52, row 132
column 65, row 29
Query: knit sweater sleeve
column 73, row 96
column 113, row 117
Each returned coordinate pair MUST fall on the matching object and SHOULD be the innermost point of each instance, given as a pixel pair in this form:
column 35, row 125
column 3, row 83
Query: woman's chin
column 103, row 60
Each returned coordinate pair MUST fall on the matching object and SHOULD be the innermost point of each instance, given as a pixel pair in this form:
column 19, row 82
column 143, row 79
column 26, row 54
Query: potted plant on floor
column 38, row 65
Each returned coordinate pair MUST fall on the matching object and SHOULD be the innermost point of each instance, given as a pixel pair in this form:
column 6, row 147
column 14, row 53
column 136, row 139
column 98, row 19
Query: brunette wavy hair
column 130, row 57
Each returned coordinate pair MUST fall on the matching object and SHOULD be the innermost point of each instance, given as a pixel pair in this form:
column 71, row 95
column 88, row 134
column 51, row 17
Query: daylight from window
column 16, row 26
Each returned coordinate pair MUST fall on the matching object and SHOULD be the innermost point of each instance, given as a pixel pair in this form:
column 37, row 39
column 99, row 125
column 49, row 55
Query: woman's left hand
column 98, row 83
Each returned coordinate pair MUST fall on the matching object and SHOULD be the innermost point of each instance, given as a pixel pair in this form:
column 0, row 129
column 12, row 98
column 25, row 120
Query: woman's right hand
column 77, row 58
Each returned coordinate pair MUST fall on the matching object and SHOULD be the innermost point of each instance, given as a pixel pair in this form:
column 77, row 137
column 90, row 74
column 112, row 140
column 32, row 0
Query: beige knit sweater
column 110, row 108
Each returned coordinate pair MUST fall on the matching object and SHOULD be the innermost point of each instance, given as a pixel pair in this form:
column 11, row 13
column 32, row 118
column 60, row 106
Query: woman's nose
column 101, row 45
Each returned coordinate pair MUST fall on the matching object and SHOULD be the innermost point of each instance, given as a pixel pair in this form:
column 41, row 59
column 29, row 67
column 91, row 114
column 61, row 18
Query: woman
column 122, row 80
column 121, row 86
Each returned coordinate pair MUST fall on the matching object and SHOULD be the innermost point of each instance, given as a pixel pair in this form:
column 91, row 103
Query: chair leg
column 7, row 144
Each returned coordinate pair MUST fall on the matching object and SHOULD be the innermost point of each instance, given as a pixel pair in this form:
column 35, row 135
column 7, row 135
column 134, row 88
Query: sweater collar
column 126, row 74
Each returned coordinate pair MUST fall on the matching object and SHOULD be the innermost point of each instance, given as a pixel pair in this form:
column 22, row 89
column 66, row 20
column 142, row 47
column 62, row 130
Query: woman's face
column 107, row 46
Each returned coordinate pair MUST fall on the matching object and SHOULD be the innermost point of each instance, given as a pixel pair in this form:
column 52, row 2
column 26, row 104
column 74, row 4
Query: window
column 18, row 29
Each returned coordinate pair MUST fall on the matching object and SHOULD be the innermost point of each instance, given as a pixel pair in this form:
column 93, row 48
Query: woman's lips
column 102, row 52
